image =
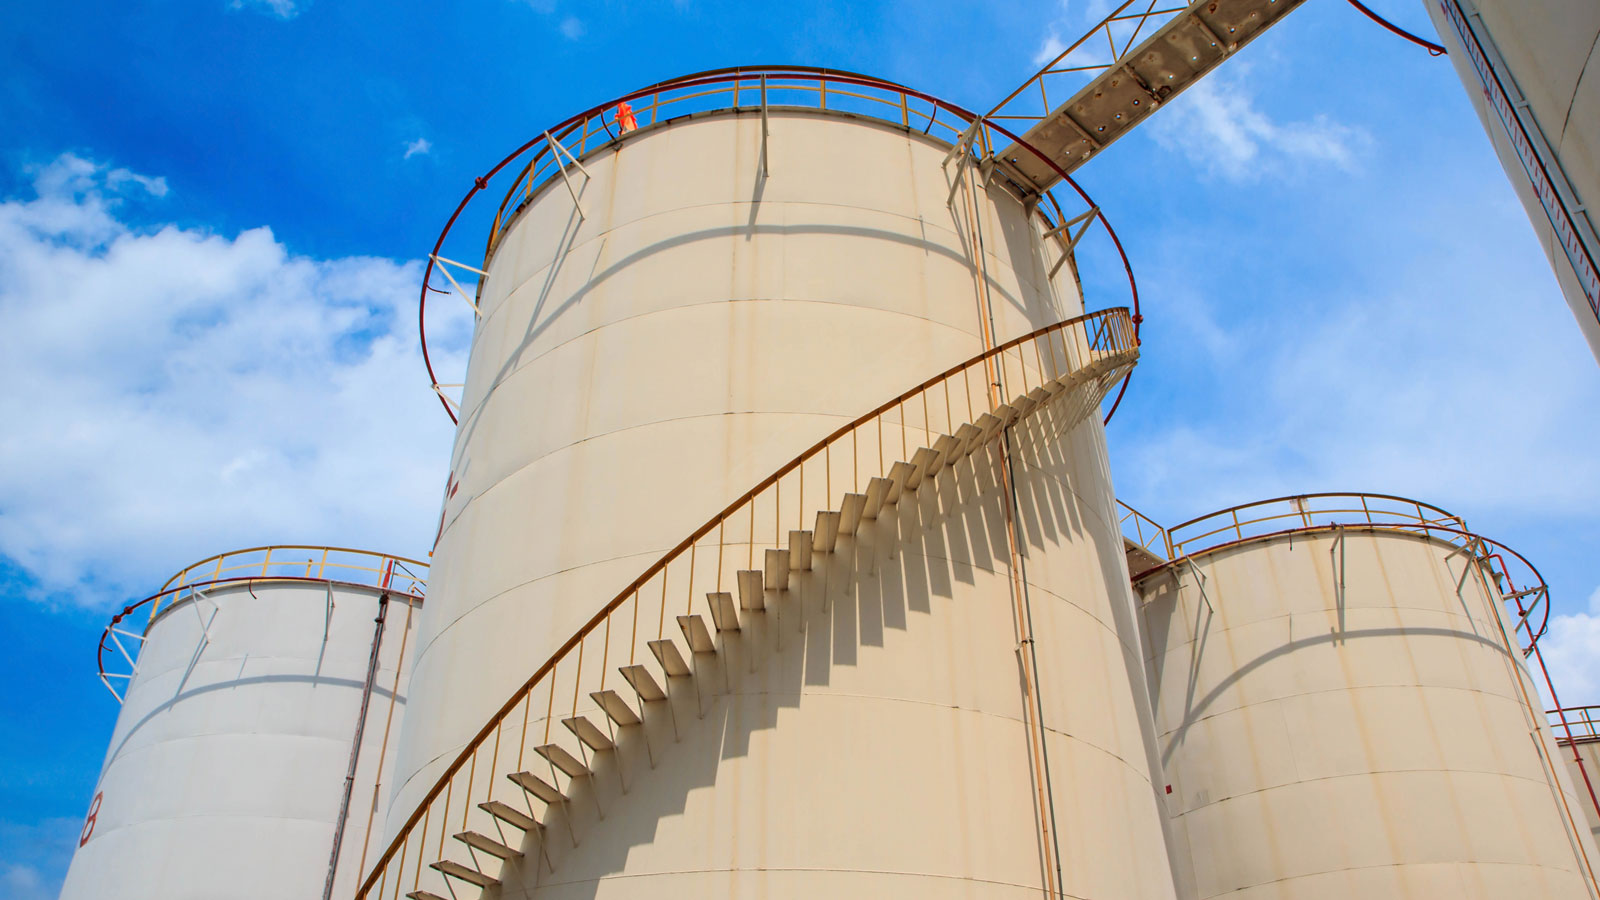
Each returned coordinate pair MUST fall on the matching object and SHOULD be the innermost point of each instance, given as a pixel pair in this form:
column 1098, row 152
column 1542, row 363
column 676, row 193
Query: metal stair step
column 537, row 786
column 616, row 708
column 510, row 815
column 800, row 551
column 586, row 731
column 899, row 474
column 672, row 661
column 488, row 845
column 922, row 462
column 827, row 531
column 989, row 425
column 423, row 895
column 724, row 614
column 776, row 569
column 750, row 590
column 457, row 870
column 561, row 759
column 643, row 684
column 948, row 448
column 850, row 512
column 877, row 492
column 695, row 632
column 967, row 437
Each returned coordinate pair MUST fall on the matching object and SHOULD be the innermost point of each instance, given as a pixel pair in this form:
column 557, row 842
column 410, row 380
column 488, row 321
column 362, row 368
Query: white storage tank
column 1344, row 710
column 1532, row 71
column 663, row 328
column 261, row 691
column 1577, row 729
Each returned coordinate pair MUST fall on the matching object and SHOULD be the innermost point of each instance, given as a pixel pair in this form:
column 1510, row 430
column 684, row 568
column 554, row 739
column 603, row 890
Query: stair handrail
column 1581, row 723
column 1096, row 350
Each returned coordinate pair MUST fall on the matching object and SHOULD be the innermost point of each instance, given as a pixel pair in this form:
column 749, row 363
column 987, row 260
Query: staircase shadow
column 854, row 601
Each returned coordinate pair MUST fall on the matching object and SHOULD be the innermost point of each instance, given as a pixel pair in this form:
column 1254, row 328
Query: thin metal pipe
column 355, row 744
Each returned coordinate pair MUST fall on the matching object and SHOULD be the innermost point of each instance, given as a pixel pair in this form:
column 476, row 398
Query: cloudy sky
column 211, row 214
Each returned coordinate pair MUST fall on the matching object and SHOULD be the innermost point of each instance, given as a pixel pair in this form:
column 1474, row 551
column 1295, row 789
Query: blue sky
column 211, row 213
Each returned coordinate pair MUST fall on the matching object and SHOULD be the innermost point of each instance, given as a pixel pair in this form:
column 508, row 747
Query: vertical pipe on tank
column 355, row 743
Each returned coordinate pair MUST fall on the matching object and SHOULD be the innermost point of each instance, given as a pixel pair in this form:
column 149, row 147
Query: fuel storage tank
column 817, row 691
column 1577, row 729
column 255, row 741
column 1532, row 71
column 1344, row 710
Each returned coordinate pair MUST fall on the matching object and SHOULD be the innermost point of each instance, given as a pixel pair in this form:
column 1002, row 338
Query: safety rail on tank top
column 1522, row 589
column 1583, row 723
column 555, row 156
column 520, row 773
column 331, row 567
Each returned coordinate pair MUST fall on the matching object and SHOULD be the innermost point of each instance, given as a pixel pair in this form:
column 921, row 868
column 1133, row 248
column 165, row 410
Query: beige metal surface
column 228, row 762
column 643, row 362
column 1532, row 71
column 1341, row 715
column 1581, row 754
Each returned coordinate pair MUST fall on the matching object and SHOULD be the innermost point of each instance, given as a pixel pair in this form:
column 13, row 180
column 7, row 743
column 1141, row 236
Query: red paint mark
column 89, row 820
column 1169, row 788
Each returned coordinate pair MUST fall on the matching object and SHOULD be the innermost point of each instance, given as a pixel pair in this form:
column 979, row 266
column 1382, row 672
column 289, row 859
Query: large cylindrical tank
column 1344, row 710
column 1532, row 71
column 736, row 285
column 1577, row 729
column 261, row 678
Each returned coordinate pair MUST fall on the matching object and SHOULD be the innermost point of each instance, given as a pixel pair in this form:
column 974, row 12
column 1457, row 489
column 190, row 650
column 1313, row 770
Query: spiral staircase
column 514, row 786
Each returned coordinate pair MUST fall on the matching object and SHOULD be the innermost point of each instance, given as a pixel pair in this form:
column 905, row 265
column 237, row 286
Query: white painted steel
column 1365, row 739
column 1546, row 53
column 635, row 370
column 228, row 761
column 1587, row 749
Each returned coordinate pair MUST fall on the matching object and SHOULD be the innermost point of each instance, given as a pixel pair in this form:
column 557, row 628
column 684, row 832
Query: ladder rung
column 827, row 530
column 510, row 815
column 724, row 614
column 750, row 593
column 946, row 446
column 457, row 870
column 537, row 786
column 922, row 462
column 899, row 474
column 615, row 707
column 588, row 732
column 850, row 512
column 561, row 759
column 776, row 566
column 695, row 632
column 643, row 684
column 487, row 844
column 800, row 550
column 672, row 662
column 877, row 492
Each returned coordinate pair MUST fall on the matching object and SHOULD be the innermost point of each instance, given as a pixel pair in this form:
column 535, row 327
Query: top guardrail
column 546, row 158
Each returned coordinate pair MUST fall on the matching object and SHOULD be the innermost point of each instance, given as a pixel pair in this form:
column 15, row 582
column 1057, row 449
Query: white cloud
column 283, row 9
column 175, row 393
column 571, row 28
column 418, row 147
column 1050, row 49
column 40, row 853
column 1217, row 125
column 1572, row 651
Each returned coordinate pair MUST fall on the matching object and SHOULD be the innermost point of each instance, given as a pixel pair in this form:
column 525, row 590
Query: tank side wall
column 1551, row 53
column 1364, row 737
column 637, row 369
column 229, row 757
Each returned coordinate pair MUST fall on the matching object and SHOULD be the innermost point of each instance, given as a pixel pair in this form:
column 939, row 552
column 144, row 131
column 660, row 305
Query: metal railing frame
column 334, row 567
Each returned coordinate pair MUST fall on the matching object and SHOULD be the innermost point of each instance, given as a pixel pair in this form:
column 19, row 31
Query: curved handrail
column 1348, row 510
column 334, row 566
column 722, row 89
column 957, row 408
column 1580, row 724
